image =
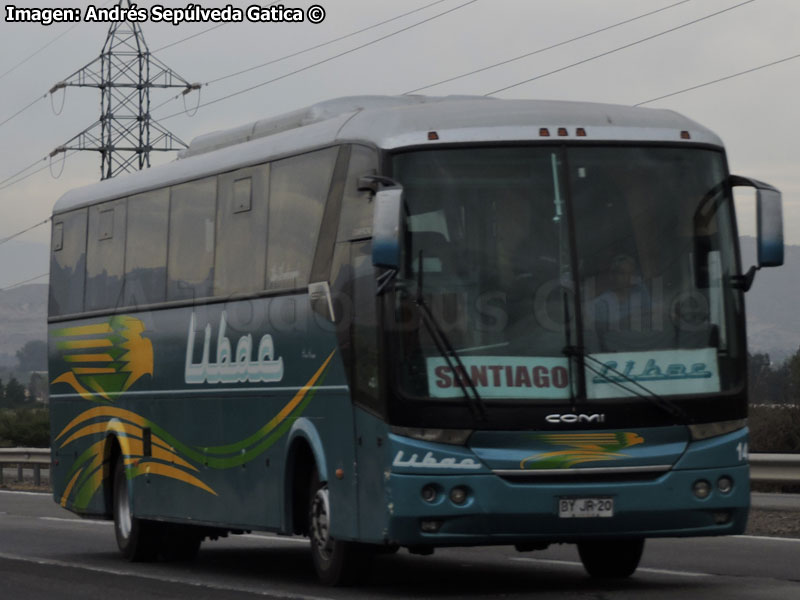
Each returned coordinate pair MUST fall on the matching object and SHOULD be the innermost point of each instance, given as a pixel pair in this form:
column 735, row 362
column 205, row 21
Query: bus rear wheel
column 137, row 539
column 608, row 559
column 336, row 562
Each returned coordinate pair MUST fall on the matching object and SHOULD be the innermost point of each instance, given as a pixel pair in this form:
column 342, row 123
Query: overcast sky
column 756, row 114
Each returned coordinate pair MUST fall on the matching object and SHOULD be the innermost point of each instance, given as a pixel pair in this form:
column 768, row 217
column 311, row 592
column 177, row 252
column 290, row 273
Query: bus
column 410, row 322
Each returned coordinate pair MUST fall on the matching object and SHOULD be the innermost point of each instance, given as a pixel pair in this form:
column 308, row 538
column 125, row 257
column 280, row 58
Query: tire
column 337, row 563
column 611, row 558
column 137, row 539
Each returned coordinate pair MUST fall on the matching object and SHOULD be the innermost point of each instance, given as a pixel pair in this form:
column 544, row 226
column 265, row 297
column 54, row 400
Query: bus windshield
column 623, row 252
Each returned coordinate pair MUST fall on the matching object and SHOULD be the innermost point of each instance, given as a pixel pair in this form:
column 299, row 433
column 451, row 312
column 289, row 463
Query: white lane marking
column 277, row 538
column 76, row 521
column 765, row 538
column 26, row 493
column 253, row 536
column 671, row 572
column 572, row 563
column 150, row 576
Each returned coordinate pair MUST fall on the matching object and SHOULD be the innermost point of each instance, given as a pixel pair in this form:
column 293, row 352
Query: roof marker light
column 544, row 132
column 562, row 132
column 685, row 135
column 433, row 136
column 580, row 132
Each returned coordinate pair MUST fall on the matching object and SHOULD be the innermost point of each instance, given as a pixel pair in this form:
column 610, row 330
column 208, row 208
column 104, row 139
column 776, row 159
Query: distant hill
column 773, row 323
column 23, row 318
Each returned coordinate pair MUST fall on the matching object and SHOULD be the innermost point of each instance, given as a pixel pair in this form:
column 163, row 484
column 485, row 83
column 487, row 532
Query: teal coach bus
column 416, row 322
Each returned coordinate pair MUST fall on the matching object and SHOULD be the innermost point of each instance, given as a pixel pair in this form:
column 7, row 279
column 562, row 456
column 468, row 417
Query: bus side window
column 298, row 189
column 146, row 249
column 192, row 219
column 356, row 219
column 68, row 263
column 105, row 255
column 240, row 262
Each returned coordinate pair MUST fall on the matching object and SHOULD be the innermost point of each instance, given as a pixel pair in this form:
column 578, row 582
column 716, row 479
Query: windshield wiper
column 578, row 352
column 447, row 351
column 666, row 405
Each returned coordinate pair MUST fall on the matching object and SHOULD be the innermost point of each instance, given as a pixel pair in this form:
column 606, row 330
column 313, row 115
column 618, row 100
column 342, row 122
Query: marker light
column 580, row 132
column 725, row 484
column 544, row 132
column 702, row 489
column 429, row 493
column 433, row 136
column 685, row 135
column 562, row 132
column 458, row 495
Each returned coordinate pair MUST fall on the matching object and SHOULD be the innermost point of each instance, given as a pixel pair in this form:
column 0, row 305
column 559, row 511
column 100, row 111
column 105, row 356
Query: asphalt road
column 45, row 552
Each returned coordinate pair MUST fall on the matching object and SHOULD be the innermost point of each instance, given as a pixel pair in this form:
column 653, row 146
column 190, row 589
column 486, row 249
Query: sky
column 755, row 114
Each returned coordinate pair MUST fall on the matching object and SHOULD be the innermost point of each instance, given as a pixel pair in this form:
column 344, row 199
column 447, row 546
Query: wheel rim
column 123, row 512
column 320, row 524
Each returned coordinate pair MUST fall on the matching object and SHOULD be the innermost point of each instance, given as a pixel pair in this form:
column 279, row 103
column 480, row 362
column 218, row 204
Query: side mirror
column 769, row 226
column 387, row 228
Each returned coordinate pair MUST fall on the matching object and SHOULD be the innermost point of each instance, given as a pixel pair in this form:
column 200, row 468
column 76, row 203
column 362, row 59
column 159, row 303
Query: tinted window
column 356, row 220
column 298, row 190
column 241, row 231
column 146, row 248
column 68, row 263
column 105, row 257
column 191, row 239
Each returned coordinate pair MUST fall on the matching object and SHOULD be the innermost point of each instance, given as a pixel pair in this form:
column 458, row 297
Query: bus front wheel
column 336, row 562
column 611, row 558
column 136, row 539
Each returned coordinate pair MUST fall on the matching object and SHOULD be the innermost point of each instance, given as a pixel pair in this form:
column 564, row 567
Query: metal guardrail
column 775, row 468
column 764, row 468
column 33, row 458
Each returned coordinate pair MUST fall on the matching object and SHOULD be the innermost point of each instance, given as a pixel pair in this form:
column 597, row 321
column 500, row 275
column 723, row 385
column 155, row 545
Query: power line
column 619, row 48
column 298, row 53
column 30, row 56
column 20, row 172
column 23, row 109
column 19, row 233
column 306, row 68
column 51, row 42
column 338, row 39
column 540, row 50
column 194, row 35
column 13, row 285
column 712, row 82
column 4, row 185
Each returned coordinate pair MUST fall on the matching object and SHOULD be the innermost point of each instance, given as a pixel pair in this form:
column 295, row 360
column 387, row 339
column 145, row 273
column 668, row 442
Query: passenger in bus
column 624, row 308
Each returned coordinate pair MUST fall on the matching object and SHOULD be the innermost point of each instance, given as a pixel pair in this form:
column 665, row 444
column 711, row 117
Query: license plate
column 576, row 508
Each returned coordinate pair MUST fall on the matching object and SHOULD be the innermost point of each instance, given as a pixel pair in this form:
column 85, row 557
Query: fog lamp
column 722, row 516
column 431, row 526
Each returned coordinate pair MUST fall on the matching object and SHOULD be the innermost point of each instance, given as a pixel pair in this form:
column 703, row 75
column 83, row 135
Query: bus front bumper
column 502, row 511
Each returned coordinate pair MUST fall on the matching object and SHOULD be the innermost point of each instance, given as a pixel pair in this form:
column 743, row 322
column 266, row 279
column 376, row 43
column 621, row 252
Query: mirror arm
column 384, row 279
column 373, row 183
column 744, row 282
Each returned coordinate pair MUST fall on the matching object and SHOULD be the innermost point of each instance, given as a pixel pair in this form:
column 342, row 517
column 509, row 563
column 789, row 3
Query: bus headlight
column 702, row 489
column 725, row 484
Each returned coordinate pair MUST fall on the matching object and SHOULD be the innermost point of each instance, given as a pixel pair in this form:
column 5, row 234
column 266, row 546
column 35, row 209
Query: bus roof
column 392, row 122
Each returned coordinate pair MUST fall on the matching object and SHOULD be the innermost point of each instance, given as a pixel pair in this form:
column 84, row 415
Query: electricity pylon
column 125, row 72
